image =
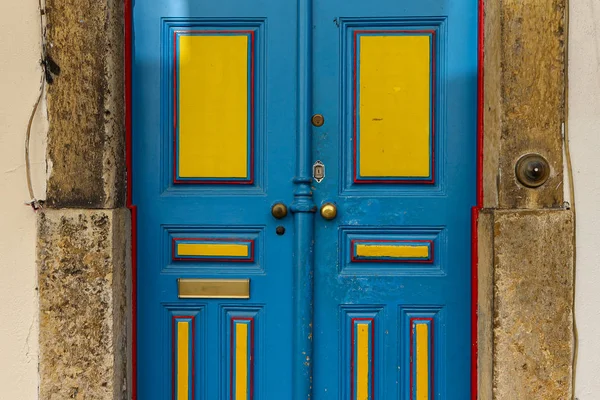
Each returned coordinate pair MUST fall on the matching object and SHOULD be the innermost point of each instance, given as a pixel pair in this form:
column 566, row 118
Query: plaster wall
column 584, row 133
column 20, row 75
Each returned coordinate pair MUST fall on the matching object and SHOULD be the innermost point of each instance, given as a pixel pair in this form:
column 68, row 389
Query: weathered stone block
column 524, row 103
column 485, row 323
column 82, row 260
column 86, row 137
column 530, row 293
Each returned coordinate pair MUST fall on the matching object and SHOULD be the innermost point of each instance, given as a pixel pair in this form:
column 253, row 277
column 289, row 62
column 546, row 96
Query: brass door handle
column 279, row 210
column 328, row 211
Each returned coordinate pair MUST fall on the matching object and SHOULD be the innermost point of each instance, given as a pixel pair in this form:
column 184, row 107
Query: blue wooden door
column 213, row 135
column 396, row 85
column 257, row 281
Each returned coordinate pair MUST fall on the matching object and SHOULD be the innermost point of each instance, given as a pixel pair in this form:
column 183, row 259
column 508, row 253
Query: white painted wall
column 584, row 132
column 19, row 85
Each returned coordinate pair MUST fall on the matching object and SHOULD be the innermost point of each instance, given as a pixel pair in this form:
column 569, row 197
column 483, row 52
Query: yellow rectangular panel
column 214, row 288
column 213, row 106
column 241, row 361
column 212, row 249
column 381, row 250
column 183, row 362
column 394, row 106
column 362, row 362
column 422, row 361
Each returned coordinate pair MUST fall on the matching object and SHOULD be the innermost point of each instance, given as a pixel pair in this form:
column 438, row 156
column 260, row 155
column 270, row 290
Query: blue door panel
column 168, row 210
column 400, row 300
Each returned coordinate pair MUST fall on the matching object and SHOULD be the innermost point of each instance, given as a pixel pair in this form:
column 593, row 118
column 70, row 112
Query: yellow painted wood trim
column 183, row 362
column 422, row 356
column 212, row 249
column 213, row 288
column 362, row 361
column 391, row 251
column 394, row 106
column 241, row 361
column 213, row 106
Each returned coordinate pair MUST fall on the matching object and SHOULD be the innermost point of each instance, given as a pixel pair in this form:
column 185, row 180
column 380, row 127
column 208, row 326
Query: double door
column 304, row 174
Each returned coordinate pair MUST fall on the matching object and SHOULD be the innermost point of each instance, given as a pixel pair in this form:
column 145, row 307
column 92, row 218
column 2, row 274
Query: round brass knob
column 328, row 211
column 279, row 210
column 317, row 120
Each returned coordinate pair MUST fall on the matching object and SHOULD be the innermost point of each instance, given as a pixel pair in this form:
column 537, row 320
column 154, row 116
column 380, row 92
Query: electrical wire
column 33, row 201
column 571, row 195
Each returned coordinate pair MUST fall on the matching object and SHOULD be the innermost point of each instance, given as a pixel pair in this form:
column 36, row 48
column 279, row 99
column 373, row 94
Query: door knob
column 279, row 210
column 328, row 211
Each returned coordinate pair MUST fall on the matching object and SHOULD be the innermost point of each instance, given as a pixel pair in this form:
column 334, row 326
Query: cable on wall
column 33, row 202
column 565, row 137
column 49, row 70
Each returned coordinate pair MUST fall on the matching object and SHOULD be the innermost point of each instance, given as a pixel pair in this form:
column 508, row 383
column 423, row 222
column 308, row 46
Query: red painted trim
column 193, row 357
column 431, row 355
column 252, row 359
column 373, row 359
column 353, row 354
column 431, row 180
column 231, row 360
column 375, row 259
column 479, row 205
column 354, row 108
column 133, row 210
column 249, row 181
column 173, row 367
column 251, row 355
column 211, row 259
column 174, row 318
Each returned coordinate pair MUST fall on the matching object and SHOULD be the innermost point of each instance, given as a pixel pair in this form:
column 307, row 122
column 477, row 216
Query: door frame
column 474, row 213
column 537, row 38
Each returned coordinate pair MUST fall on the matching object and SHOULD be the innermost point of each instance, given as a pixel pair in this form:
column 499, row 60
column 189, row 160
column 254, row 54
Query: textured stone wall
column 524, row 98
column 82, row 256
column 526, row 304
column 86, row 140
column 526, row 235
column 83, row 232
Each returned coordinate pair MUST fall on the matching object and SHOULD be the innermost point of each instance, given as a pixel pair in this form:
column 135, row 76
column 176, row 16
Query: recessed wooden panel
column 421, row 360
column 392, row 250
column 241, row 343
column 362, row 357
column 422, row 335
column 213, row 249
column 213, row 288
column 242, row 346
column 362, row 365
column 214, row 109
column 378, row 251
column 183, row 357
column 393, row 106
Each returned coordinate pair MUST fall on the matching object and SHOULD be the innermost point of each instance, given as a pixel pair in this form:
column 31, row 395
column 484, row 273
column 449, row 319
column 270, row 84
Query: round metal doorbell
column 532, row 170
